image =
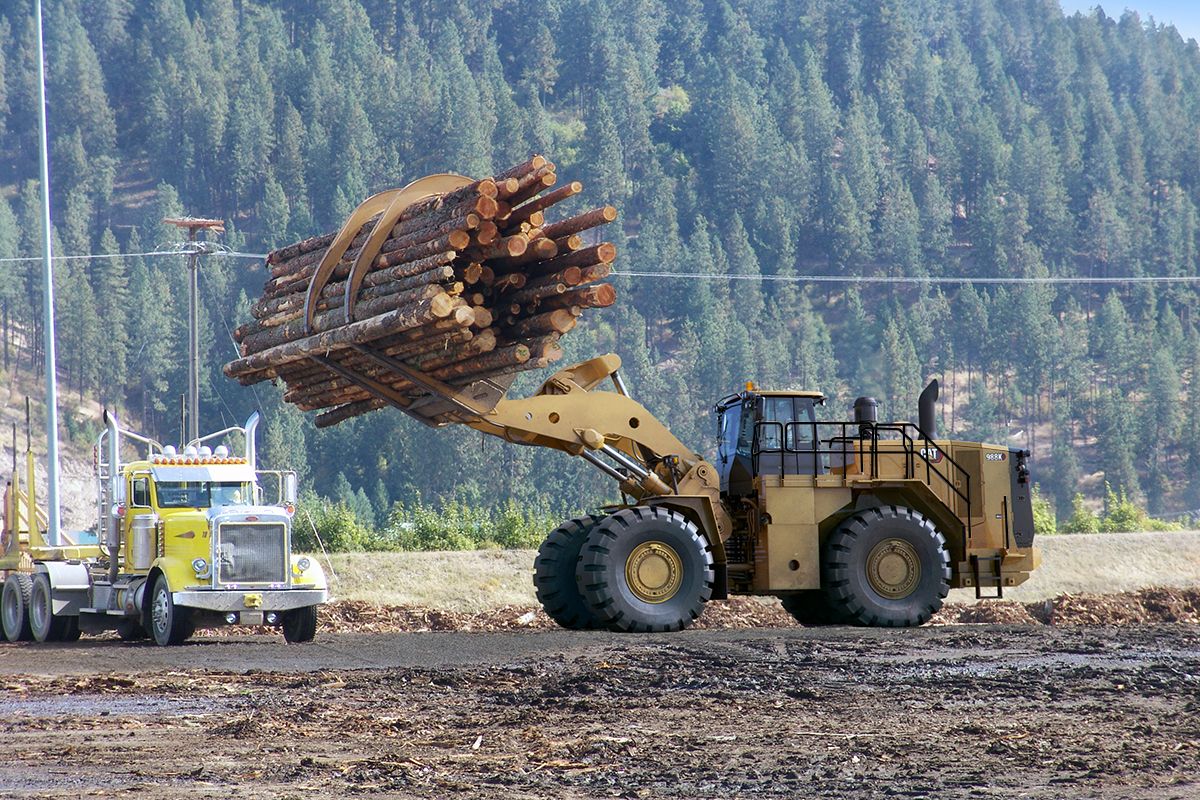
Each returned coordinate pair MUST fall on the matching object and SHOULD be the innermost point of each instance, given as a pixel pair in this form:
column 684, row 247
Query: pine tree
column 113, row 296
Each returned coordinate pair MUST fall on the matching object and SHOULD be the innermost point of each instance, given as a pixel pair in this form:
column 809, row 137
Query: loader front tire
column 169, row 624
column 886, row 567
column 45, row 626
column 645, row 569
column 14, row 607
column 554, row 574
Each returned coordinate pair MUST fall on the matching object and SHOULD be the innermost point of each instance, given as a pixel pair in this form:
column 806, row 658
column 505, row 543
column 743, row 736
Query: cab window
column 201, row 494
column 746, row 430
column 141, row 492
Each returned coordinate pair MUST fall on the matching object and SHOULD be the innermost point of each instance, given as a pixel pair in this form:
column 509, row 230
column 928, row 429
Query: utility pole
column 52, row 517
column 195, row 250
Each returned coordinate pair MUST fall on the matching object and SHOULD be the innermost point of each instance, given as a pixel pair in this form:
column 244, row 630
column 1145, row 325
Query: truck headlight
column 303, row 564
column 200, row 567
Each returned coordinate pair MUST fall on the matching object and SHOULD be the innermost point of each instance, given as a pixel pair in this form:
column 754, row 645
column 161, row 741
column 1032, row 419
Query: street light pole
column 52, row 515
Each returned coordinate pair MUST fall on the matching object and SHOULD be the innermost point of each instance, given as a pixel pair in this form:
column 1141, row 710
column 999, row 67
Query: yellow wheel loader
column 857, row 521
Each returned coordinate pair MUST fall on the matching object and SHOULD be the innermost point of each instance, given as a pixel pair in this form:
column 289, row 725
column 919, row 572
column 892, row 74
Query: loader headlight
column 200, row 567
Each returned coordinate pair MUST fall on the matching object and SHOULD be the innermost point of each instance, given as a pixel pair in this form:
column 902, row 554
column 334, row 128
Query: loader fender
column 698, row 509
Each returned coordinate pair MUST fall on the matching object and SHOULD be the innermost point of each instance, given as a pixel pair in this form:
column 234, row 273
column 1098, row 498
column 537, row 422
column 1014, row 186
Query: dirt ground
column 1056, row 710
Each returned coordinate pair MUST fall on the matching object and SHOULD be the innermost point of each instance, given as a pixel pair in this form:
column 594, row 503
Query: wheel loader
column 857, row 522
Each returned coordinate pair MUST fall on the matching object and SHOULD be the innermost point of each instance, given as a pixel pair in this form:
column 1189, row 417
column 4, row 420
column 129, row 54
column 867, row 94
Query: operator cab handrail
column 789, row 441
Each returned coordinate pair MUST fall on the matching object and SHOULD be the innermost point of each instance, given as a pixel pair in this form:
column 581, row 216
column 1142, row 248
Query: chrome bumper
column 246, row 600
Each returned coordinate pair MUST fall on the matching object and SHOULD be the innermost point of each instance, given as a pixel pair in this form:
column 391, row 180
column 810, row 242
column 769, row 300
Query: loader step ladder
column 993, row 576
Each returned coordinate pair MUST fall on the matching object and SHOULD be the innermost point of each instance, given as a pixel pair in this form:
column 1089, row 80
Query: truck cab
column 186, row 537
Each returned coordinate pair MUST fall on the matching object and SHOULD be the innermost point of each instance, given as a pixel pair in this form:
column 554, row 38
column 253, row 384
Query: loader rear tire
column 14, row 607
column 554, row 574
column 886, row 567
column 45, row 626
column 169, row 624
column 645, row 569
column 811, row 608
column 300, row 625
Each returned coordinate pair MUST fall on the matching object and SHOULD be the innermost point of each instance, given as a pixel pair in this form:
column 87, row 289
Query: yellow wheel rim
column 654, row 572
column 894, row 569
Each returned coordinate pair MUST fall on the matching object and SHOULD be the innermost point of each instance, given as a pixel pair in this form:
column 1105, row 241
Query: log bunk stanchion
column 430, row 299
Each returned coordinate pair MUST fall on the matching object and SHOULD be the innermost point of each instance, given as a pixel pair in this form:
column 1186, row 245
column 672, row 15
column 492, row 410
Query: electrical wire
column 214, row 249
column 922, row 279
column 181, row 251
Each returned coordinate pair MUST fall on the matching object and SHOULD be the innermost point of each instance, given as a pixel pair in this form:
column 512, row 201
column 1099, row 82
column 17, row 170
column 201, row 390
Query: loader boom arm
column 610, row 430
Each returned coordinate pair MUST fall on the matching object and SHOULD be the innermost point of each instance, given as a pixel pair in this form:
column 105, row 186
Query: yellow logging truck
column 856, row 521
column 183, row 540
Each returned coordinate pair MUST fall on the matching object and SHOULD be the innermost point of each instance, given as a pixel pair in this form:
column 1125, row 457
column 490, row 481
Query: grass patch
column 476, row 580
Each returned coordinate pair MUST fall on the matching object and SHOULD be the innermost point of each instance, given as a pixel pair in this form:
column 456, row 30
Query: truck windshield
column 201, row 494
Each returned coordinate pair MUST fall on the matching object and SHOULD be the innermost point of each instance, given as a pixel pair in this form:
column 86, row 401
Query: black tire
column 811, row 608
column 300, row 625
column 647, row 537
column 169, row 624
column 554, row 574
column 886, row 567
column 45, row 626
column 71, row 630
column 130, row 630
column 14, row 607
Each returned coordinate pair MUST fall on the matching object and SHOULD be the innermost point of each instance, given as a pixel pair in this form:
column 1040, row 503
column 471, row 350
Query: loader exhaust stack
column 925, row 409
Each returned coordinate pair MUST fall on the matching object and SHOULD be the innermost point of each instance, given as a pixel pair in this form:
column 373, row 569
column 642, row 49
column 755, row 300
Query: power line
column 879, row 279
column 921, row 279
column 91, row 256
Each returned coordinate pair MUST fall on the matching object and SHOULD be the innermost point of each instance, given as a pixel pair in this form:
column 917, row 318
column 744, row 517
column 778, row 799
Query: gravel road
column 954, row 711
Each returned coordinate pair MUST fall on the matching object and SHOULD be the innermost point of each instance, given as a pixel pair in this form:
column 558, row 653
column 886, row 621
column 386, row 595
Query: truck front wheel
column 169, row 623
column 300, row 625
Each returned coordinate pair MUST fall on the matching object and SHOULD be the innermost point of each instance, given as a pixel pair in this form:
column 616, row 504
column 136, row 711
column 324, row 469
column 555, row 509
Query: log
column 539, row 249
column 356, row 332
column 534, row 163
column 582, row 222
column 538, row 204
column 569, row 244
column 601, row 296
column 513, row 280
column 485, row 188
column 558, row 321
column 507, row 247
column 297, row 327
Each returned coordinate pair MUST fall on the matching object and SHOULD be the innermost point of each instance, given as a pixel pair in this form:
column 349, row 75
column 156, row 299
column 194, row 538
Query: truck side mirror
column 289, row 487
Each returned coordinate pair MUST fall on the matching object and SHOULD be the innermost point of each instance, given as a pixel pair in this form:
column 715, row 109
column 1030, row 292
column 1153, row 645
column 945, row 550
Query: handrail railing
column 788, row 442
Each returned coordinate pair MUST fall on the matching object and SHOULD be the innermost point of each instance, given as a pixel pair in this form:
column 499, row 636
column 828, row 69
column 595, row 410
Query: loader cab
column 766, row 433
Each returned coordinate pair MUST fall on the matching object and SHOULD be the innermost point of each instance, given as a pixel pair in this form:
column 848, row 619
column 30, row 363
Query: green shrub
column 336, row 525
column 1121, row 515
column 1044, row 522
column 1082, row 520
column 455, row 525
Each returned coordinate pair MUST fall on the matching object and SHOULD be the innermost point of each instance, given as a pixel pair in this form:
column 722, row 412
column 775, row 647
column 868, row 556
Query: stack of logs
column 468, row 285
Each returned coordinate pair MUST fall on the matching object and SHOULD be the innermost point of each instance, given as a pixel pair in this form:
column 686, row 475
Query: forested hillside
column 936, row 138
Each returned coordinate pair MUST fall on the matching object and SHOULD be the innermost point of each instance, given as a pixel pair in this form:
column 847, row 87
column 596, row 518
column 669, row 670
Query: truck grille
column 251, row 553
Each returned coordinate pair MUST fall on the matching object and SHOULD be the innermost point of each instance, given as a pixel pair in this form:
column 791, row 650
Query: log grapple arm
column 610, row 430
